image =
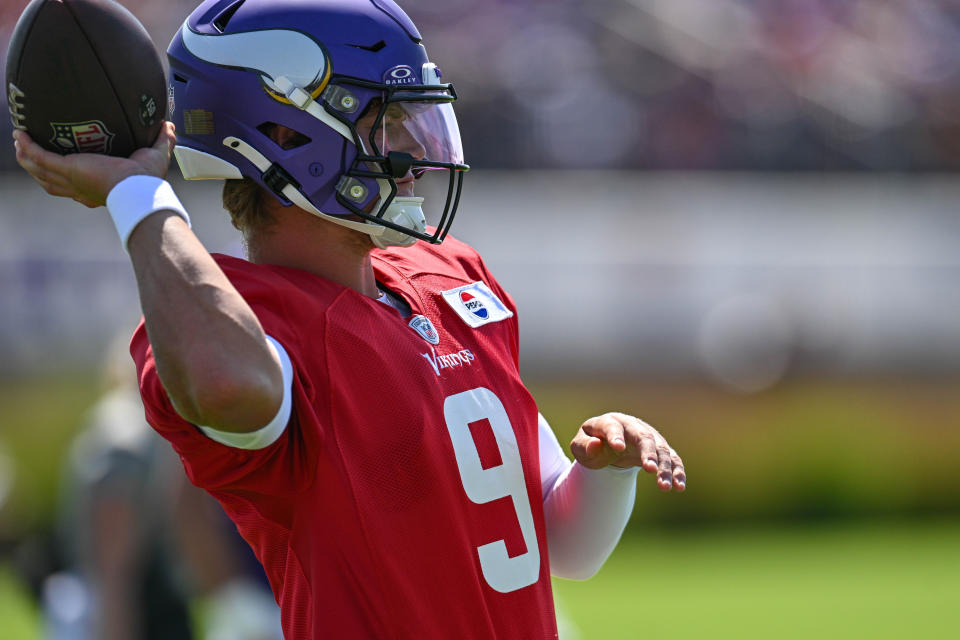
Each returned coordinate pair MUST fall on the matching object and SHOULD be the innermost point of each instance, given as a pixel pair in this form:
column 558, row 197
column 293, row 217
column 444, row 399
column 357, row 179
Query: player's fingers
column 167, row 139
column 640, row 450
column 52, row 182
column 155, row 160
column 29, row 151
column 664, row 463
column 21, row 151
column 589, row 451
column 679, row 473
column 41, row 164
column 648, row 453
column 643, row 449
column 19, row 135
column 609, row 429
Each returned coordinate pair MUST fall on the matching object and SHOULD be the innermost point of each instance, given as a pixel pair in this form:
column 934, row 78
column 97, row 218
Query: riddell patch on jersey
column 82, row 137
column 476, row 304
column 425, row 328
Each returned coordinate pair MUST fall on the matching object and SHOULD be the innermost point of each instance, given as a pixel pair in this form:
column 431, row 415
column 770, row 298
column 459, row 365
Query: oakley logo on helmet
column 400, row 75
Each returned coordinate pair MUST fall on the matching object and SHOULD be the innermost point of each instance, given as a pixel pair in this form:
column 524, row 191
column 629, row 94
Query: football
column 83, row 76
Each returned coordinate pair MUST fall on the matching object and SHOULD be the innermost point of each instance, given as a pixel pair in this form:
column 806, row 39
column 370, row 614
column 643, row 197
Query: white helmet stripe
column 271, row 52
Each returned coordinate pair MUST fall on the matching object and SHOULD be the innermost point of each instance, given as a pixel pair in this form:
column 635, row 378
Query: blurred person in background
column 140, row 543
column 350, row 394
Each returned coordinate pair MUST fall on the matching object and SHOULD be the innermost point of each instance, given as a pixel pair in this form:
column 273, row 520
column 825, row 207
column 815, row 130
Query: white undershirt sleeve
column 586, row 510
column 553, row 461
column 267, row 435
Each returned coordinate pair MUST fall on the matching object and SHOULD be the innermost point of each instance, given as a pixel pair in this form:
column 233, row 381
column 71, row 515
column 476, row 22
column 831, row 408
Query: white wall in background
column 742, row 277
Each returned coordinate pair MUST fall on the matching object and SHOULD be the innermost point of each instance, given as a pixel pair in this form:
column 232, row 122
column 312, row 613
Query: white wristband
column 135, row 198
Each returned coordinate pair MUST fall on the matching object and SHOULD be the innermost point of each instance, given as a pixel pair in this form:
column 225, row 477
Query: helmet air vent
column 220, row 22
column 373, row 47
column 285, row 137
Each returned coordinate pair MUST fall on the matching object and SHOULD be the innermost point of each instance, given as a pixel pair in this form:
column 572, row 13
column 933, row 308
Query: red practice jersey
column 404, row 499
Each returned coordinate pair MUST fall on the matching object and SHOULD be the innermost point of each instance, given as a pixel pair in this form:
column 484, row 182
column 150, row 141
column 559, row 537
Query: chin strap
column 406, row 211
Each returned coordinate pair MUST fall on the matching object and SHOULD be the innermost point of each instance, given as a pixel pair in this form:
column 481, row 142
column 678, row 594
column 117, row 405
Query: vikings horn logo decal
column 273, row 53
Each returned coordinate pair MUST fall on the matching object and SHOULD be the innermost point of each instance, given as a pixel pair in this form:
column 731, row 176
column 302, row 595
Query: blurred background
column 735, row 219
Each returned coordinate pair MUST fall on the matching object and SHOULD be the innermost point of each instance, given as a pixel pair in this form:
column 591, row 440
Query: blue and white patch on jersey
column 423, row 326
column 476, row 304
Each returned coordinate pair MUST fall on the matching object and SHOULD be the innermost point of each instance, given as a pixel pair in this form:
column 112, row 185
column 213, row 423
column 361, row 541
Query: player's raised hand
column 89, row 177
column 624, row 441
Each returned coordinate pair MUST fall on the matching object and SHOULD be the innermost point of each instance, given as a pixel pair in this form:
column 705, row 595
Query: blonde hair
column 244, row 200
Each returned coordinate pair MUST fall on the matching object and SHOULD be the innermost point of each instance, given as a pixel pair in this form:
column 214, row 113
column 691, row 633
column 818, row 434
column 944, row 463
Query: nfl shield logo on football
column 81, row 137
column 423, row 326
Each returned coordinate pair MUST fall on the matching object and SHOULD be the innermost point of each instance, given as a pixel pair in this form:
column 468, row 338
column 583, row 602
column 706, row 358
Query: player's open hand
column 89, row 177
column 624, row 441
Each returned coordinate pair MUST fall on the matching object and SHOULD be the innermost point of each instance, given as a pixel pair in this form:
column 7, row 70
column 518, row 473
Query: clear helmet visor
column 408, row 172
column 425, row 129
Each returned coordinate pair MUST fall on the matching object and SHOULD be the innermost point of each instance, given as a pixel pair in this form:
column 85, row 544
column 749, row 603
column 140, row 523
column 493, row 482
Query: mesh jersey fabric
column 360, row 512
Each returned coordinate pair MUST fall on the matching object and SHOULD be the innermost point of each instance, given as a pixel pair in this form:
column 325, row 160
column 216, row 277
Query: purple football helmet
column 364, row 111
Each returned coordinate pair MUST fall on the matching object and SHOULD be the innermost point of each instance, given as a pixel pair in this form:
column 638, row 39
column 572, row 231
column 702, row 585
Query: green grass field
column 17, row 612
column 873, row 581
column 862, row 453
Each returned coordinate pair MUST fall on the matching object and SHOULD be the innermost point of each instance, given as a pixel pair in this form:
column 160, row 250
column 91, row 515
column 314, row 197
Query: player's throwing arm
column 102, row 131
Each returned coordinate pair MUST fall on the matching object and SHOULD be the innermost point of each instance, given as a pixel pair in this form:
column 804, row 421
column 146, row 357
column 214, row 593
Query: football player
column 350, row 393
